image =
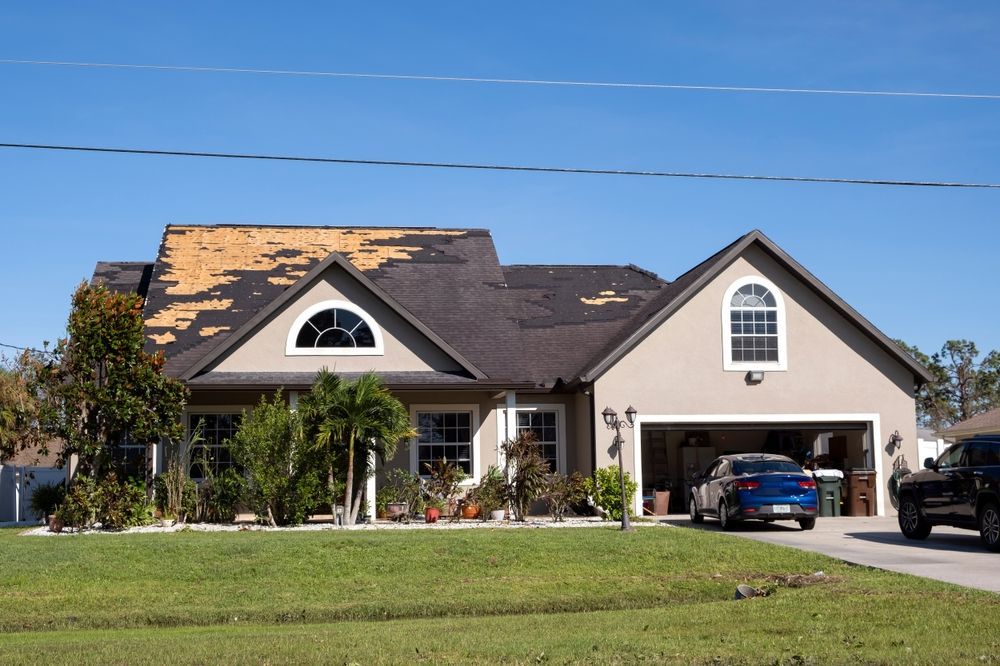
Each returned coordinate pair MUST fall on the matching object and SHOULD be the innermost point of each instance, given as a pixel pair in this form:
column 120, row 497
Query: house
column 987, row 423
column 747, row 351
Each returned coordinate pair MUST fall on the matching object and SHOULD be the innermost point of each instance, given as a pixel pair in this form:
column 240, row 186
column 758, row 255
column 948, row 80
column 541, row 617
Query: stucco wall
column 833, row 368
column 406, row 349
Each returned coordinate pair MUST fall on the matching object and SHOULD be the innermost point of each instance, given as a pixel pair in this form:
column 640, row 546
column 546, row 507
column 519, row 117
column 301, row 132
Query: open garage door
column 671, row 453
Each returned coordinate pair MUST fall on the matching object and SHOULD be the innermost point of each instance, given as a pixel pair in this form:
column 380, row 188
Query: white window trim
column 728, row 364
column 300, row 321
column 560, row 411
column 476, row 457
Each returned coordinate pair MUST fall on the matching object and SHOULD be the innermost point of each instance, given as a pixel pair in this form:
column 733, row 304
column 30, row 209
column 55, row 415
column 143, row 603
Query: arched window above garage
column 753, row 326
column 334, row 328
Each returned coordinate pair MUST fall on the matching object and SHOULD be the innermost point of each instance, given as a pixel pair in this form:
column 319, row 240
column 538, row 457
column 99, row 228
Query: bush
column 604, row 488
column 284, row 476
column 490, row 494
column 46, row 498
column 220, row 495
column 78, row 508
column 407, row 488
column 564, row 491
column 442, row 484
column 527, row 472
column 121, row 504
column 185, row 490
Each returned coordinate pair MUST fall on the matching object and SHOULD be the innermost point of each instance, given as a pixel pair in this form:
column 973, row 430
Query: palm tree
column 356, row 419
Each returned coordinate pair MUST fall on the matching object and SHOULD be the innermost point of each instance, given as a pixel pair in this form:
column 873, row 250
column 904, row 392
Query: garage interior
column 672, row 454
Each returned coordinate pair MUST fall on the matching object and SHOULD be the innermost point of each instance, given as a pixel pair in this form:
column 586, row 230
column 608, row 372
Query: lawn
column 595, row 595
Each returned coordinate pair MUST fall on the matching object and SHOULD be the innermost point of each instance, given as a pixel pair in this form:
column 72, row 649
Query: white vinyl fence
column 17, row 483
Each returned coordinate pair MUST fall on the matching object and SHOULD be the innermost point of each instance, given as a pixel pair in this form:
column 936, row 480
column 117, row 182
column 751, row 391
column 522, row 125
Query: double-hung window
column 446, row 434
column 210, row 448
column 753, row 319
column 545, row 426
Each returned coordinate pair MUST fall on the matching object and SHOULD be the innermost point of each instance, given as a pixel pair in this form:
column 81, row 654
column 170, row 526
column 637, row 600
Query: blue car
column 754, row 486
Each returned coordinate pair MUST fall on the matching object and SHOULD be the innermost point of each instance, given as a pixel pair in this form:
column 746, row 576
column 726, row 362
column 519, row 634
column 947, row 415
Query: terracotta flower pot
column 470, row 511
column 56, row 524
column 431, row 514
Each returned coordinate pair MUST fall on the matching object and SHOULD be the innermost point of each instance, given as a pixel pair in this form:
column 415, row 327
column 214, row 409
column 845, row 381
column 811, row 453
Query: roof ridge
column 255, row 225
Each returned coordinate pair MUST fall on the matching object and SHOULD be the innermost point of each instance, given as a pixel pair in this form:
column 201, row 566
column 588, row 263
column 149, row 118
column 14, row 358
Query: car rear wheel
column 989, row 525
column 911, row 523
column 807, row 523
column 725, row 522
column 693, row 510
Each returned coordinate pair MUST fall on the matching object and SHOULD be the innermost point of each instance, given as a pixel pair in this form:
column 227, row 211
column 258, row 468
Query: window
column 952, row 457
column 130, row 458
column 983, row 454
column 334, row 328
column 753, row 324
column 545, row 426
column 215, row 430
column 444, row 434
column 722, row 470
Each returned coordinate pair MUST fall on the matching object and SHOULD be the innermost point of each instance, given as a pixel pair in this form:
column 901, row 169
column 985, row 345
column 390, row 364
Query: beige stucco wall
column 406, row 349
column 833, row 368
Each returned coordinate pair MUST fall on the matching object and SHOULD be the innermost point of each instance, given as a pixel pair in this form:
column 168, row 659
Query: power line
column 533, row 82
column 499, row 167
column 30, row 349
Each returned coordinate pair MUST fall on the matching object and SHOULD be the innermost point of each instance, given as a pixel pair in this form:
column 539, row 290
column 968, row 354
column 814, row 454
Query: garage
column 671, row 451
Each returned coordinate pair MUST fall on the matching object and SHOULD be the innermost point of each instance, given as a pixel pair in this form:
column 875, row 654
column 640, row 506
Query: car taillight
column 809, row 483
column 747, row 485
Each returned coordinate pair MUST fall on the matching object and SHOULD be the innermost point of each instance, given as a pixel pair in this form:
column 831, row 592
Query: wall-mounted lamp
column 755, row 377
column 896, row 440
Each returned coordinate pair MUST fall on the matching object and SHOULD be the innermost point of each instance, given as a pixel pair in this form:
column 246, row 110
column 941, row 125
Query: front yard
column 662, row 594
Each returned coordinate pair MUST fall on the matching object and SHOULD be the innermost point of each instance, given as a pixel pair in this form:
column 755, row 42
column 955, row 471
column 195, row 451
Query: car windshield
column 743, row 467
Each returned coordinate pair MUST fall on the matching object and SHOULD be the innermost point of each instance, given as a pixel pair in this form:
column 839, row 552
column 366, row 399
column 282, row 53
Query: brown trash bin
column 860, row 500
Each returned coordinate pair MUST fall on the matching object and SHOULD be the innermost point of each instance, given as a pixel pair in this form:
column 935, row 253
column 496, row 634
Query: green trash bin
column 828, row 492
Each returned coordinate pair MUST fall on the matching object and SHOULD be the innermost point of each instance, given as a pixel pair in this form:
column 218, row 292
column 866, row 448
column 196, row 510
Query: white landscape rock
column 445, row 524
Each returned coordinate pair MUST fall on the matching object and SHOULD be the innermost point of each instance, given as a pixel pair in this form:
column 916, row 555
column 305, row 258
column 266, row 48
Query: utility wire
column 30, row 349
column 533, row 82
column 498, row 167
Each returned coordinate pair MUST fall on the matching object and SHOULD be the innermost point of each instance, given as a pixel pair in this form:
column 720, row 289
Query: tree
column 283, row 473
column 351, row 422
column 963, row 385
column 106, row 387
column 26, row 412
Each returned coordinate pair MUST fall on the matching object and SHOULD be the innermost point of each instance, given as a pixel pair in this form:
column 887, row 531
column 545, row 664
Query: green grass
column 473, row 595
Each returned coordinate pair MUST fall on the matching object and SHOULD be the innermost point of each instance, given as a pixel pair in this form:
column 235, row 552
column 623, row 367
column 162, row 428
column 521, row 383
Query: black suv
column 961, row 488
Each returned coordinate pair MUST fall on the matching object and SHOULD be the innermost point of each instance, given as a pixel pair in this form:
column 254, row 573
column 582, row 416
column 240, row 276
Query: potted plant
column 470, row 505
column 432, row 511
column 405, row 493
column 442, row 483
column 490, row 495
column 45, row 499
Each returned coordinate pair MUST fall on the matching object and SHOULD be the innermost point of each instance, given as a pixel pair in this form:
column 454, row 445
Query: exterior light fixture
column 614, row 423
column 896, row 440
column 755, row 377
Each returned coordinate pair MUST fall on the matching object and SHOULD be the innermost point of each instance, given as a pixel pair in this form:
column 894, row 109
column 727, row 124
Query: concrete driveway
column 949, row 554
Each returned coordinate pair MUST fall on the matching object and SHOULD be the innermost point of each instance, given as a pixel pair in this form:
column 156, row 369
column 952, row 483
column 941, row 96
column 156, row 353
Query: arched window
column 334, row 328
column 753, row 320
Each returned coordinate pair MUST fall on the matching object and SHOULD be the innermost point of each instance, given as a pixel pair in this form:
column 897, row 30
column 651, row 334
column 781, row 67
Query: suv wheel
column 725, row 522
column 911, row 523
column 989, row 525
column 693, row 510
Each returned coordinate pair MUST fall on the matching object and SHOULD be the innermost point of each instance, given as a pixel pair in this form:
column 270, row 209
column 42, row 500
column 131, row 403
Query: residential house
column 747, row 351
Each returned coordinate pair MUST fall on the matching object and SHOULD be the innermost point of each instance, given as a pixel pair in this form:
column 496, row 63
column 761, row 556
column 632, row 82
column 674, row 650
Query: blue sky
column 920, row 263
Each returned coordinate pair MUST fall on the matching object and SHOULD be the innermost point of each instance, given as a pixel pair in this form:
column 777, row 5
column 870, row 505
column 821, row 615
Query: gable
column 402, row 348
column 832, row 364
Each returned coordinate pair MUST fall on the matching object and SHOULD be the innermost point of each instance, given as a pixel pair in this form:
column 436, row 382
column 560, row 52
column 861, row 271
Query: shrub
column 46, row 498
column 284, row 483
column 78, row 508
column 175, row 495
column 443, row 481
column 564, row 491
column 490, row 494
column 407, row 488
column 526, row 472
column 604, row 488
column 120, row 504
column 220, row 495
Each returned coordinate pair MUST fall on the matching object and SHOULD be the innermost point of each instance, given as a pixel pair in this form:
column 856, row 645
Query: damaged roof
column 534, row 325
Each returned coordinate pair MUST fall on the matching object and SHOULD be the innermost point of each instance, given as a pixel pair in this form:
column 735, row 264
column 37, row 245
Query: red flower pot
column 431, row 514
